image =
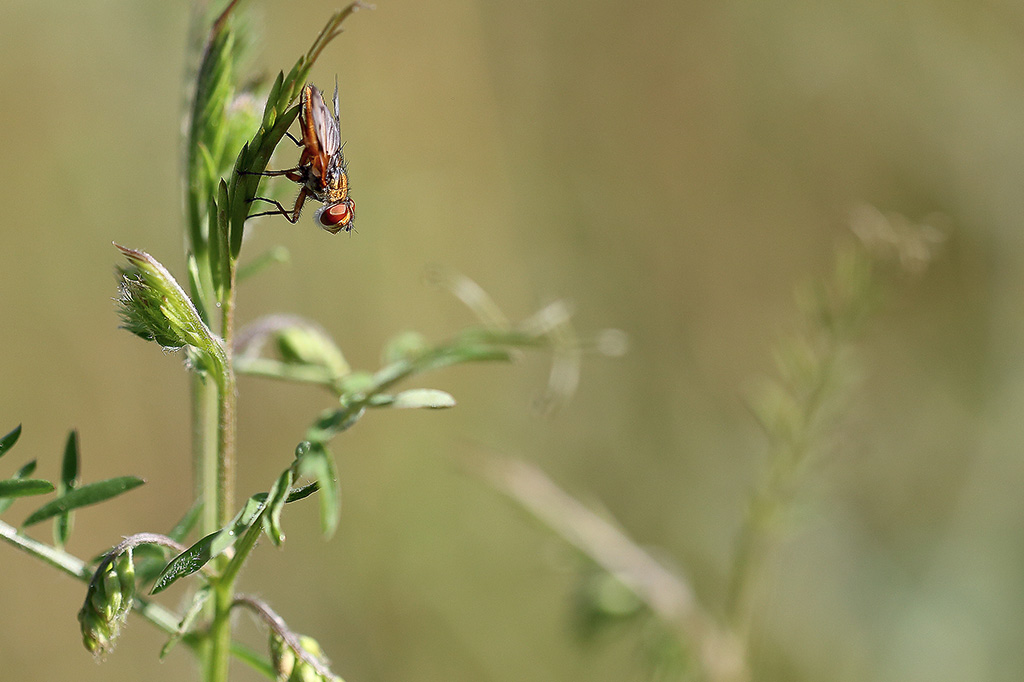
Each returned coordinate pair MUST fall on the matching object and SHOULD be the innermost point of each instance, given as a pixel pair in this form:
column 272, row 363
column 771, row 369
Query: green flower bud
column 154, row 307
column 126, row 574
column 291, row 667
column 282, row 656
column 111, row 593
column 96, row 633
column 107, row 603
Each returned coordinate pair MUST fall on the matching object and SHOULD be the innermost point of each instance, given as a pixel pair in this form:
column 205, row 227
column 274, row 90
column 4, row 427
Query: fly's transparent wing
column 325, row 125
column 337, row 109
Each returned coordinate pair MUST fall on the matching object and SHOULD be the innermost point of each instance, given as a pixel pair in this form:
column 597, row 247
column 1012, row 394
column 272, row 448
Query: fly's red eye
column 335, row 217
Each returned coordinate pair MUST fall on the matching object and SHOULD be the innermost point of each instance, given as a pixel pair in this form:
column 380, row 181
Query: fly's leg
column 292, row 216
column 293, row 174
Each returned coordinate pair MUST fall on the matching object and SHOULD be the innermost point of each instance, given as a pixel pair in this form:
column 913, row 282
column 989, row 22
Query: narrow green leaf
column 429, row 398
column 189, row 561
column 296, row 494
column 23, row 472
column 318, row 464
column 215, row 246
column 27, row 470
column 302, row 492
column 278, row 496
column 202, row 595
column 8, row 441
column 199, row 554
column 293, row 80
column 81, row 497
column 463, row 354
column 222, row 228
column 151, row 559
column 270, row 111
column 332, row 422
column 69, row 465
column 13, row 487
column 68, row 482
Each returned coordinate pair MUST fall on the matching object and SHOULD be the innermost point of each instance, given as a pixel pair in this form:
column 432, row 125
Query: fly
column 321, row 171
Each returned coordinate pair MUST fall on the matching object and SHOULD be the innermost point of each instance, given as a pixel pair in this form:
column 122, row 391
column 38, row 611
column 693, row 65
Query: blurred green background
column 674, row 169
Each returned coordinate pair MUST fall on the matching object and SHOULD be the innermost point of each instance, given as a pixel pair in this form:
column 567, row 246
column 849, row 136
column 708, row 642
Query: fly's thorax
column 335, row 185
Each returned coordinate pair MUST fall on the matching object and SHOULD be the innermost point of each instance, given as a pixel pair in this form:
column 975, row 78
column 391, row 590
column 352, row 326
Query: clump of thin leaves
column 233, row 128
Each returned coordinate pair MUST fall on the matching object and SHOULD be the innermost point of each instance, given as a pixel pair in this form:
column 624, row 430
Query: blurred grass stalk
column 799, row 412
column 668, row 596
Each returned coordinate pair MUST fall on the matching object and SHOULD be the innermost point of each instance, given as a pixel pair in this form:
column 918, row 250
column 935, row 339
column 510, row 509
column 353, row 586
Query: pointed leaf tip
column 8, row 441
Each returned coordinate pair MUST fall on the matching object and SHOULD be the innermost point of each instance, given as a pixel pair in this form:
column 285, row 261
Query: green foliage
column 19, row 485
column 310, row 346
column 214, row 544
column 150, row 559
column 318, row 464
column 8, row 441
column 93, row 493
column 15, row 487
column 276, row 499
column 229, row 143
column 22, row 473
column 68, row 482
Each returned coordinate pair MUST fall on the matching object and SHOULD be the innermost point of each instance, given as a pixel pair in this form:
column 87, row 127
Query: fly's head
column 338, row 212
column 337, row 217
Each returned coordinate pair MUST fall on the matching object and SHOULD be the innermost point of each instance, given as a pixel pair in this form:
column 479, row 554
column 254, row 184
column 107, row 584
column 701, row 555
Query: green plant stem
column 205, row 434
column 276, row 369
column 242, row 549
column 219, row 651
column 227, row 400
column 226, row 406
column 224, row 599
column 219, row 636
